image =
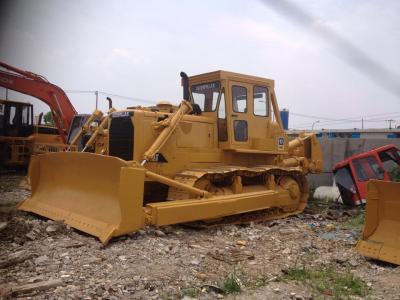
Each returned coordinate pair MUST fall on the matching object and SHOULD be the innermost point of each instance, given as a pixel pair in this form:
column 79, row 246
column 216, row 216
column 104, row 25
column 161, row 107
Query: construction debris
column 15, row 258
column 37, row 286
column 186, row 261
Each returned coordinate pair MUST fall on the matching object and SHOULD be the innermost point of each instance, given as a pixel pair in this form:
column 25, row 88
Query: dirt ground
column 42, row 259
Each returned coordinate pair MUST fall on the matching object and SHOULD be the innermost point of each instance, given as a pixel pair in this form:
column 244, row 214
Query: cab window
column 240, row 130
column 25, row 115
column 2, row 112
column 222, row 123
column 367, row 168
column 260, row 98
column 206, row 95
column 239, row 99
column 391, row 163
column 12, row 116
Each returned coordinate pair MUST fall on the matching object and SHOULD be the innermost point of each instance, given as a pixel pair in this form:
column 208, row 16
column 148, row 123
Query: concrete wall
column 335, row 150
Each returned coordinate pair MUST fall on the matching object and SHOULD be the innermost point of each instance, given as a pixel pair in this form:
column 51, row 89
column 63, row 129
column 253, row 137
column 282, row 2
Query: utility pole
column 312, row 126
column 390, row 123
column 362, row 123
column 97, row 98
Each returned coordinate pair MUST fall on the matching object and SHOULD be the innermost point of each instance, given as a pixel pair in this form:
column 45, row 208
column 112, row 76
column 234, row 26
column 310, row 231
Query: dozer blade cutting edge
column 93, row 193
column 381, row 235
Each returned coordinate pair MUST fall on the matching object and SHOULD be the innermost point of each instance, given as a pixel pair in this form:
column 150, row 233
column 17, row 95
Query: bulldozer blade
column 381, row 235
column 99, row 195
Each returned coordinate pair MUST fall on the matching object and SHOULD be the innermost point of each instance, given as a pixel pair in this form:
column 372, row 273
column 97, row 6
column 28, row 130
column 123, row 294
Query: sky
column 138, row 48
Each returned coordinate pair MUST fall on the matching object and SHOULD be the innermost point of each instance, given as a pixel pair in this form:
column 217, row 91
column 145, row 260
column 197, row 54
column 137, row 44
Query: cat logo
column 120, row 114
column 281, row 143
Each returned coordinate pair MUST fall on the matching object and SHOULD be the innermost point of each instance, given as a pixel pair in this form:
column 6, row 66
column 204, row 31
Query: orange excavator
column 39, row 87
column 19, row 137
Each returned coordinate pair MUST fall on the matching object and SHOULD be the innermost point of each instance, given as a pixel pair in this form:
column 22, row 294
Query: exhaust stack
column 185, row 85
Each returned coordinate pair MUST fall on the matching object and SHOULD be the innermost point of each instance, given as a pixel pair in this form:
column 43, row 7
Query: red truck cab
column 352, row 174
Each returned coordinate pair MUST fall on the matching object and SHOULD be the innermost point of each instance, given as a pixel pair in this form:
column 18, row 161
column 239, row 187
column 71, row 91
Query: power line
column 80, row 92
column 313, row 117
column 353, row 119
column 128, row 98
column 342, row 119
column 341, row 123
column 133, row 99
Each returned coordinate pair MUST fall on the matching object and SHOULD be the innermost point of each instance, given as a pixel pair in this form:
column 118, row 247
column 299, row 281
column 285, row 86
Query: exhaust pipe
column 185, row 85
column 109, row 102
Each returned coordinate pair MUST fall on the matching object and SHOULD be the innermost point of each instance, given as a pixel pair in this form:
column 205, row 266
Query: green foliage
column 259, row 282
column 394, row 174
column 355, row 222
column 191, row 292
column 316, row 205
column 48, row 118
column 231, row 284
column 329, row 282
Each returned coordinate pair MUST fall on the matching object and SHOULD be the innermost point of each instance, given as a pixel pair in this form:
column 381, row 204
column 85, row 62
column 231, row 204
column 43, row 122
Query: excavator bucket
column 381, row 235
column 99, row 195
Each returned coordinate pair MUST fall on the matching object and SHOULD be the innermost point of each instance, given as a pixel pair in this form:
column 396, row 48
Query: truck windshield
column 367, row 168
column 206, row 95
column 391, row 163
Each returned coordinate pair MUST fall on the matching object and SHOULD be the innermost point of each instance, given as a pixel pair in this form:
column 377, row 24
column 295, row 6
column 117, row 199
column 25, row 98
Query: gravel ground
column 42, row 259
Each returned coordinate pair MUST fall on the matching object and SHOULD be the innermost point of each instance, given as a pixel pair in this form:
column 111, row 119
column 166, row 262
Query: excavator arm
column 37, row 86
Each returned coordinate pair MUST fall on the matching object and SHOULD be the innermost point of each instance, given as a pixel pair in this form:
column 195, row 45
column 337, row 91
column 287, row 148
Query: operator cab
column 245, row 109
column 16, row 119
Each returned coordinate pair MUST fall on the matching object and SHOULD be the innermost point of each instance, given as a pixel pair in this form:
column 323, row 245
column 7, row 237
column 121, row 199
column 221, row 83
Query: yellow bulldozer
column 222, row 153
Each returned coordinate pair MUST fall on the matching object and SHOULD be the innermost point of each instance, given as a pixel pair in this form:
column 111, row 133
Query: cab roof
column 226, row 75
column 14, row 102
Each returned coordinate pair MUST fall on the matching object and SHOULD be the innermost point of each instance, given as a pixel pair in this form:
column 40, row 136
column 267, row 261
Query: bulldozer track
column 226, row 174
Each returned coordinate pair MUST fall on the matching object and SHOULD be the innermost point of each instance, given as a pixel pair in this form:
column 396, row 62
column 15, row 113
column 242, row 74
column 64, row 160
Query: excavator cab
column 16, row 119
column 16, row 129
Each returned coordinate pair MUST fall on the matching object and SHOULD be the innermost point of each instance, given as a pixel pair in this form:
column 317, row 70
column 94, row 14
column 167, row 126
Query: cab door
column 240, row 100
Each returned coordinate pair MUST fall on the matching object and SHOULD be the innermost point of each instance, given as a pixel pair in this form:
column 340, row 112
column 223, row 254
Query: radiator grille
column 121, row 137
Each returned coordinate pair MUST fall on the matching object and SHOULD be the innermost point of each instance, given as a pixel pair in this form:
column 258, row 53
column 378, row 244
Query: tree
column 48, row 119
